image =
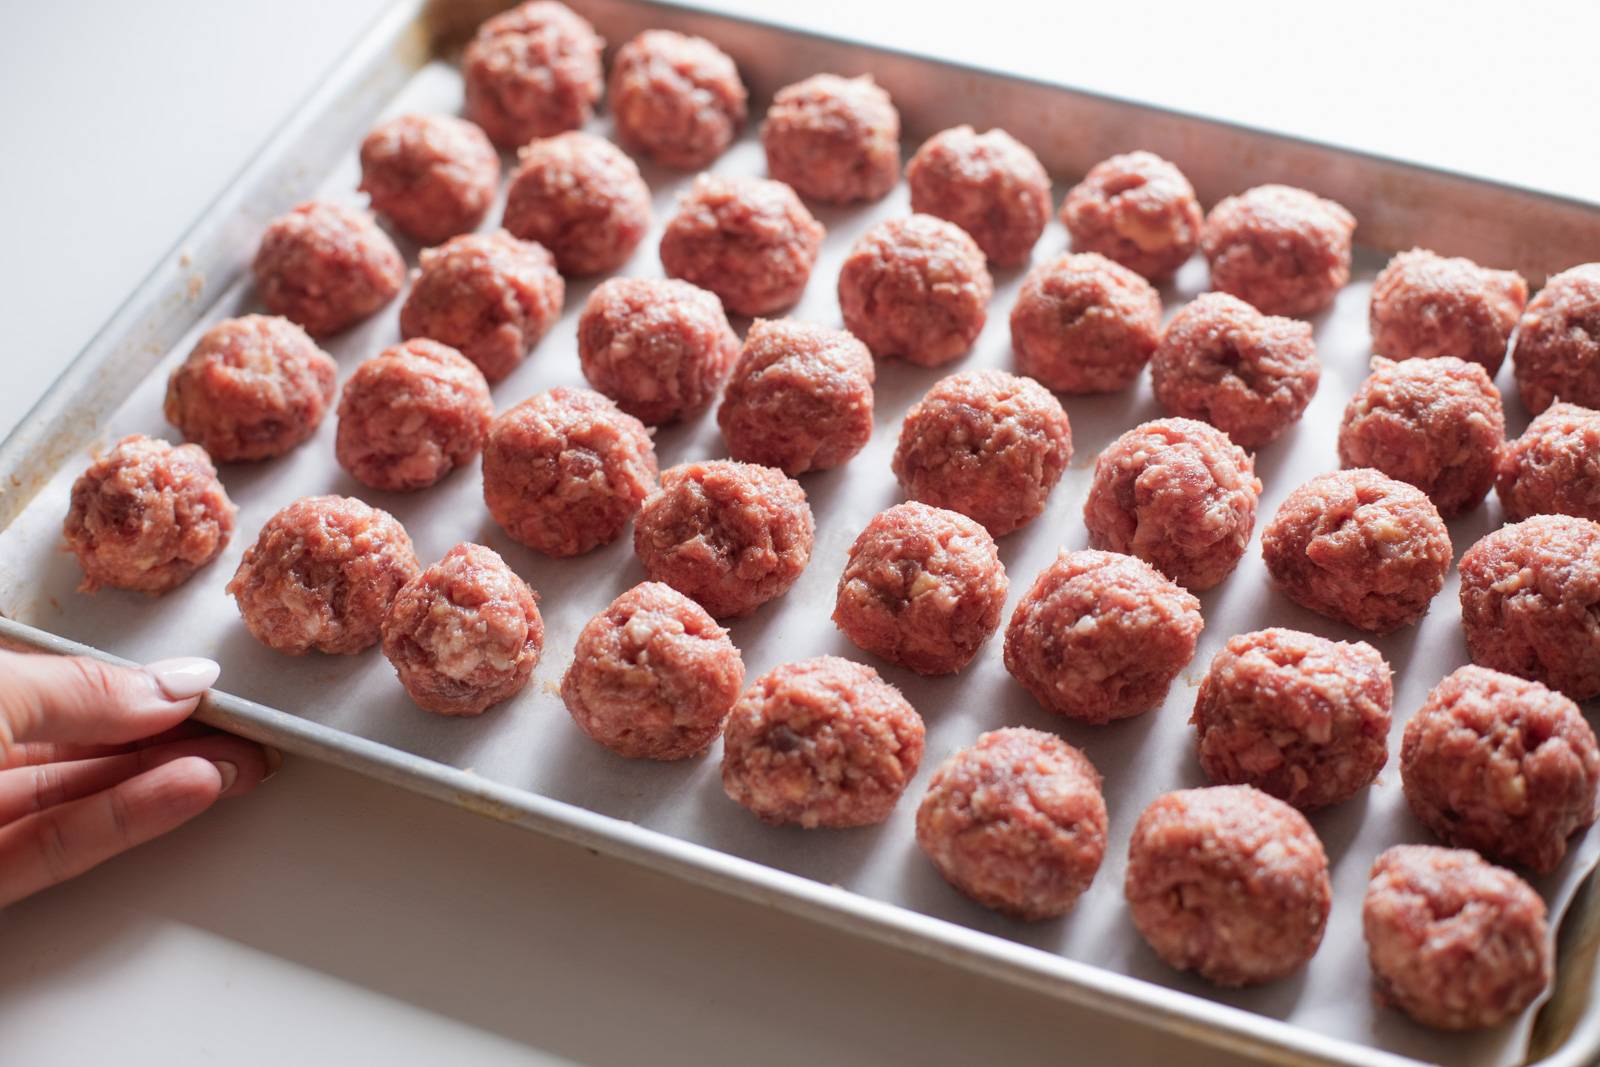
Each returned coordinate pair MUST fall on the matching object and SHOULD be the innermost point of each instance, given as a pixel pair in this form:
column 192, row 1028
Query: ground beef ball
column 326, row 267
column 1297, row 716
column 565, row 470
column 1530, row 593
column 489, row 296
column 533, row 71
column 1557, row 353
column 660, row 348
column 321, row 575
column 1083, row 324
column 1229, row 883
column 1179, row 495
column 1453, row 941
column 1359, row 547
column 800, row 398
column 1016, row 822
column 990, row 184
column 749, row 240
column 433, row 176
column 731, row 535
column 1284, row 250
column 582, row 198
column 923, row 588
column 1248, row 374
column 1436, row 423
column 1425, row 306
column 1554, row 467
column 1138, row 210
column 985, row 443
column 653, row 676
column 253, row 388
column 834, row 139
column 676, row 99
column 822, row 742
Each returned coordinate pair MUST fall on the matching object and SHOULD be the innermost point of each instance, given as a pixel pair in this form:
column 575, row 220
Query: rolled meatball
column 990, row 184
column 1557, row 352
column 321, row 575
column 1359, row 547
column 800, row 398
column 533, row 71
column 1425, row 306
column 565, row 470
column 1283, row 250
column 326, row 267
column 676, row 99
column 433, row 176
column 653, row 676
column 985, row 443
column 1083, row 324
column 833, row 139
column 1137, row 210
column 1100, row 636
column 731, row 535
column 1229, row 883
column 1016, row 822
column 582, row 198
column 822, row 742
column 1554, row 467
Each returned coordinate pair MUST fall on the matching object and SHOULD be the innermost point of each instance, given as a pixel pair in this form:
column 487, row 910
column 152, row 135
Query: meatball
column 731, row 535
column 326, row 267
column 1083, row 324
column 800, row 398
column 1530, row 593
column 489, row 296
column 1298, row 716
column 253, row 388
column 1136, row 209
column 1100, row 636
column 1016, row 822
column 433, row 176
column 146, row 516
column 464, row 634
column 322, row 575
column 1284, row 250
column 1248, row 374
column 833, row 139
column 749, row 240
column 822, row 742
column 1179, row 495
column 1425, row 306
column 985, row 443
column 565, row 470
column 410, row 415
column 923, row 588
column 582, row 198
column 1453, row 941
column 1554, row 467
column 1557, row 352
column 916, row 289
column 990, row 184
column 1229, row 883
column 660, row 348
column 1359, row 547
column 676, row 99
column 1436, row 423
column 533, row 71
column 653, row 676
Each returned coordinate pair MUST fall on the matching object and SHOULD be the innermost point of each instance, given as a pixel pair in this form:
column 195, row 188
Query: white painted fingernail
column 229, row 772
column 184, row 678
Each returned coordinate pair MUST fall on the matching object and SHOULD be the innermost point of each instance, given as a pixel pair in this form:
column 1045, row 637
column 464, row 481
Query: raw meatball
column 653, row 676
column 1359, row 547
column 731, row 535
column 1530, row 594
column 1454, row 942
column 1229, row 883
column 582, row 198
column 676, row 99
column 433, row 176
column 834, row 139
column 985, row 443
column 1136, row 209
column 1436, row 423
column 1284, row 250
column 410, row 415
column 1016, row 822
column 800, row 398
column 1248, row 374
column 1557, row 353
column 923, row 588
column 660, row 348
column 749, row 240
column 916, row 289
column 321, row 575
column 1424, row 306
column 489, row 296
column 1083, row 324
column 822, row 742
column 1179, row 495
column 532, row 72
column 326, row 267
column 1100, row 636
column 252, row 388
column 564, row 471
column 146, row 516
column 1297, row 716
column 991, row 185
column 464, row 634
column 1554, row 467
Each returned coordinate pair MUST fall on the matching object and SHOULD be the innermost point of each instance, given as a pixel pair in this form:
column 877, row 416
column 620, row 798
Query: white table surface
column 329, row 917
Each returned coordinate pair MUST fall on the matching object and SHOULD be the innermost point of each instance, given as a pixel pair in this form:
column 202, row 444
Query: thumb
column 79, row 700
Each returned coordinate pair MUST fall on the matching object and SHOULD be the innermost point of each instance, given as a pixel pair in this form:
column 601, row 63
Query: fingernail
column 229, row 772
column 183, row 678
column 274, row 760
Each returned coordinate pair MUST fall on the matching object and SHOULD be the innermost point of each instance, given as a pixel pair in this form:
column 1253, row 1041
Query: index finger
column 78, row 700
